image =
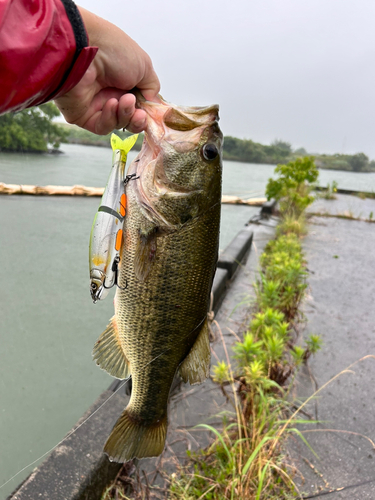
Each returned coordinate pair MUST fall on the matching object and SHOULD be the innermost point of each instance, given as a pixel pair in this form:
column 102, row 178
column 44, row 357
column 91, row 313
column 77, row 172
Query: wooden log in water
column 93, row 191
column 50, row 190
column 235, row 200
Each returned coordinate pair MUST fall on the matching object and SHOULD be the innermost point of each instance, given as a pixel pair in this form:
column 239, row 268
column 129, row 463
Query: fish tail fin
column 124, row 145
column 129, row 439
column 109, row 354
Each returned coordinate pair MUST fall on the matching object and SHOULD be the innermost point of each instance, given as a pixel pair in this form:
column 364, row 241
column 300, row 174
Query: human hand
column 100, row 102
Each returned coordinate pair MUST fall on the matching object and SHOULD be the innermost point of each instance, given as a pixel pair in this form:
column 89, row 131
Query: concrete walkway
column 341, row 308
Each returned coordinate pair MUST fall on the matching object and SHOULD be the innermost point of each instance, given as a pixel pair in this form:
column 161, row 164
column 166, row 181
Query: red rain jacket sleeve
column 44, row 51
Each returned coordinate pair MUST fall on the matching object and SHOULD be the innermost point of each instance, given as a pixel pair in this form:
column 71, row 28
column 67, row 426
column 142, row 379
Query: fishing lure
column 106, row 234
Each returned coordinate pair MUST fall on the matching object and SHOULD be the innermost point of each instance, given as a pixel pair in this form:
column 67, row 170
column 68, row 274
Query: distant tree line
column 357, row 163
column 248, row 151
column 76, row 135
column 254, row 152
column 33, row 130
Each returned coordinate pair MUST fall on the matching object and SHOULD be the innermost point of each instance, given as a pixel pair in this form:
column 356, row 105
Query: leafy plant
column 294, row 185
column 330, row 192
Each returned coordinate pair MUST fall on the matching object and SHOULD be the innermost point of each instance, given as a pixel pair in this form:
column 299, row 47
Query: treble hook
column 129, row 178
column 115, row 281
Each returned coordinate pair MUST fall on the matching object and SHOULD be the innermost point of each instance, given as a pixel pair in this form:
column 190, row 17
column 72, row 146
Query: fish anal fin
column 196, row 366
column 130, row 439
column 145, row 255
column 109, row 354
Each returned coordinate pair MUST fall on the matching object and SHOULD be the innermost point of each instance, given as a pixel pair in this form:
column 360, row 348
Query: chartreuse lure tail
column 106, row 233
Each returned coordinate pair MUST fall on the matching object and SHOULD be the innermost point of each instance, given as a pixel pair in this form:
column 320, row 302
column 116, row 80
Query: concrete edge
column 236, row 251
column 368, row 194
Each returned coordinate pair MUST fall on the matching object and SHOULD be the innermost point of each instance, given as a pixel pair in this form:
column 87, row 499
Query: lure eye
column 210, row 151
column 94, row 287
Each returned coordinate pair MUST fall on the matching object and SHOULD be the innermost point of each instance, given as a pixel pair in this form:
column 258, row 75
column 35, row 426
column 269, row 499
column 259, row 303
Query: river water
column 48, row 323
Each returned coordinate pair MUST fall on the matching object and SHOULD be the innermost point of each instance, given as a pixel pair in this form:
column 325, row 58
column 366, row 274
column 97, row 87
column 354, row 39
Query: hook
column 115, row 281
column 129, row 178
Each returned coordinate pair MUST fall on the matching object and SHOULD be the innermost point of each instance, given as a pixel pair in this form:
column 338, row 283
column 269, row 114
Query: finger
column 138, row 121
column 128, row 116
column 125, row 111
column 103, row 121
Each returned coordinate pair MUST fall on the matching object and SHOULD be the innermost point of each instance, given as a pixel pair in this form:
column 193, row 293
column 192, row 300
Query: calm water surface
column 48, row 323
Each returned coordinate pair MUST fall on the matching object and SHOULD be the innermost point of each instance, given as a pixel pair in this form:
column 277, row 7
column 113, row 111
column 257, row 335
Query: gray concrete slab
column 340, row 307
column 348, row 205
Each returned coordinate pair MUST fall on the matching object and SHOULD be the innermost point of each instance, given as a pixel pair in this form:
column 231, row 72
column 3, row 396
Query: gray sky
column 298, row 70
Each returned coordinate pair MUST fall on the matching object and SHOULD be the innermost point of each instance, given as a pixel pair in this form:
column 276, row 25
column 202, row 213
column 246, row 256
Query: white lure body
column 106, row 234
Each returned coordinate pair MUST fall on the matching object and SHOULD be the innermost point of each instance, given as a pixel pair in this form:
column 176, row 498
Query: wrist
column 93, row 25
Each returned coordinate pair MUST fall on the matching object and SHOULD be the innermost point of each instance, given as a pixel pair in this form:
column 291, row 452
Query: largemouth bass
column 168, row 261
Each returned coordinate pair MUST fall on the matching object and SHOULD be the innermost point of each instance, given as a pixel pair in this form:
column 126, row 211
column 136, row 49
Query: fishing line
column 69, row 434
column 94, row 412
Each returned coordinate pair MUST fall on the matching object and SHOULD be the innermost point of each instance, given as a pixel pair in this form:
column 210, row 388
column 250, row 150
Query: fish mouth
column 165, row 120
column 169, row 128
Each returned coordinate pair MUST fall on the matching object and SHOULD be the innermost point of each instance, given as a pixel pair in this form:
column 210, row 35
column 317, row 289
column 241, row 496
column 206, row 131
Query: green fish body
column 168, row 262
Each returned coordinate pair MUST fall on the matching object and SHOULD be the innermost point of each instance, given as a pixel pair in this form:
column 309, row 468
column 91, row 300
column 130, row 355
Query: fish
column 106, row 236
column 168, row 261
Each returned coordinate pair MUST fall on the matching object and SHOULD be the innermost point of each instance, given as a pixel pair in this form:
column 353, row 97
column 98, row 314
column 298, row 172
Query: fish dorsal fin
column 196, row 366
column 145, row 255
column 109, row 354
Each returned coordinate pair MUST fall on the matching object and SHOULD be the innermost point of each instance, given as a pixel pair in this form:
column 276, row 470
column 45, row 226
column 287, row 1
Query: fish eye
column 94, row 287
column 210, row 151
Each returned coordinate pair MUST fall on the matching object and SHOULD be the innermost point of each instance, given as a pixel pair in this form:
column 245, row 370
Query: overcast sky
column 298, row 70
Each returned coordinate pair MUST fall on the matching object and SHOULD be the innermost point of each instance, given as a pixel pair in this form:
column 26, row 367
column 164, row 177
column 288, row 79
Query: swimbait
column 106, row 234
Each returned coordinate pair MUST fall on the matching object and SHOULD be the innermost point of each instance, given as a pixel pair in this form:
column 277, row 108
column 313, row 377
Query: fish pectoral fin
column 109, row 354
column 145, row 255
column 196, row 366
column 132, row 439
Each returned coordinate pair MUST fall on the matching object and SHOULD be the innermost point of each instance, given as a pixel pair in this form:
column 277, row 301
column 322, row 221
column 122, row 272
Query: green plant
column 31, row 129
column 330, row 193
column 294, row 185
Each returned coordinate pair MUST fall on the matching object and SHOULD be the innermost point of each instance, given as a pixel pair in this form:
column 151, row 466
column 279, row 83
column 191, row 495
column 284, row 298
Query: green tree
column 31, row 129
column 358, row 162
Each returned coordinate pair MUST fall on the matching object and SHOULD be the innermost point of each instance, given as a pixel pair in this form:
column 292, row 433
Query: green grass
column 330, row 192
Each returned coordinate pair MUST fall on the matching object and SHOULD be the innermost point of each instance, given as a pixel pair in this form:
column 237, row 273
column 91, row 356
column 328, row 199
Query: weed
column 330, row 192
column 294, row 185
